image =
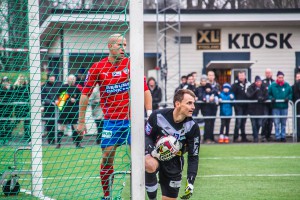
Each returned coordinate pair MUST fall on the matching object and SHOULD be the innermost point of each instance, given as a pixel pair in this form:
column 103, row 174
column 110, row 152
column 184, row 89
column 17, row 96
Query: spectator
column 257, row 92
column 198, row 106
column 239, row 89
column 209, row 110
column 6, row 109
column 80, row 79
column 49, row 95
column 296, row 96
column 182, row 84
column 68, row 106
column 211, row 79
column 190, row 84
column 155, row 92
column 94, row 101
column 210, row 95
column 199, row 94
column 267, row 126
column 196, row 83
column 226, row 111
column 280, row 90
column 22, row 95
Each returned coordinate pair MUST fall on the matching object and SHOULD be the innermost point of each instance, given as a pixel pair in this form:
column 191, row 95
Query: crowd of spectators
column 60, row 107
column 210, row 96
column 14, row 107
column 245, row 99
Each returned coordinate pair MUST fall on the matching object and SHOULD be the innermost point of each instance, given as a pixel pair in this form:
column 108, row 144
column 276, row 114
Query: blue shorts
column 115, row 132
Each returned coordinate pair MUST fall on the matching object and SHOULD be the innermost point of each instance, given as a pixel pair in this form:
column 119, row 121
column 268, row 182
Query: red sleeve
column 91, row 80
column 145, row 84
column 79, row 87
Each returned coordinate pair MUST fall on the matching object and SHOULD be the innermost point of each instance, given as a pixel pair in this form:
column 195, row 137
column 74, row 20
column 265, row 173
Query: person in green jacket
column 280, row 90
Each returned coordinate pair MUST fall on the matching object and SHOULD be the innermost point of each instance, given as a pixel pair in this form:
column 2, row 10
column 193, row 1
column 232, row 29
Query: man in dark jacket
column 6, row 110
column 209, row 109
column 267, row 126
column 155, row 92
column 239, row 89
column 49, row 96
column 280, row 90
column 68, row 105
column 183, row 80
column 257, row 92
column 296, row 96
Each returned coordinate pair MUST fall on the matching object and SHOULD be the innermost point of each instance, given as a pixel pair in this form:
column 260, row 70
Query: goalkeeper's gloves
column 188, row 191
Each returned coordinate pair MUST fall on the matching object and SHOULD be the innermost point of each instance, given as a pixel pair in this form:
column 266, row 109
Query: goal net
column 47, row 48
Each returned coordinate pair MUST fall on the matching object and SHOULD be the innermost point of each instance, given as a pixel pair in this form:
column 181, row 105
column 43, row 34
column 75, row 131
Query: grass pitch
column 234, row 171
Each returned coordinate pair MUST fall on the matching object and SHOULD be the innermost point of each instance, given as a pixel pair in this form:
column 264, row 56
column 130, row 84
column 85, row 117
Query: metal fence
column 291, row 115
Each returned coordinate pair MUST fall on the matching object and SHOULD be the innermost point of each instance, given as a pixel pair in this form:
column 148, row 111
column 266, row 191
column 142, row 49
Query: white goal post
column 136, row 24
column 35, row 97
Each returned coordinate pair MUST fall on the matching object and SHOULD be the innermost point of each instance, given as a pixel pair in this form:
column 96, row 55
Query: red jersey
column 114, row 84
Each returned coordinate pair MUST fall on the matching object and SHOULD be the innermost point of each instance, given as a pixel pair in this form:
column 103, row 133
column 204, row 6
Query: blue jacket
column 225, row 108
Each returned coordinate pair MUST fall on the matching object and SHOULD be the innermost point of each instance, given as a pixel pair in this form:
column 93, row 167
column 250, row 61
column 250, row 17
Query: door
column 223, row 76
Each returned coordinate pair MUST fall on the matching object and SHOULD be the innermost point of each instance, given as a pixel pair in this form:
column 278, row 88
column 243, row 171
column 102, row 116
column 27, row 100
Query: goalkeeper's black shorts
column 170, row 176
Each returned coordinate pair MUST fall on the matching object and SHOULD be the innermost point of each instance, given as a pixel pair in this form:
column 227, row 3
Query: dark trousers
column 225, row 124
column 256, row 124
column 209, row 129
column 77, row 138
column 27, row 130
column 99, row 123
column 240, row 123
column 22, row 111
column 267, row 125
column 50, row 128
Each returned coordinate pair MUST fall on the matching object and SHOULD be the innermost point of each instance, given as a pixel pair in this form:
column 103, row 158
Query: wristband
column 149, row 112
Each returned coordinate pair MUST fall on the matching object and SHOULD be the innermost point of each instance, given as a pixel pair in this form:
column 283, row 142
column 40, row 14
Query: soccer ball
column 166, row 148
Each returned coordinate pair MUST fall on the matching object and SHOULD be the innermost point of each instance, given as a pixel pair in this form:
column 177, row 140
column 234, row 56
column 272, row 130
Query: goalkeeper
column 177, row 122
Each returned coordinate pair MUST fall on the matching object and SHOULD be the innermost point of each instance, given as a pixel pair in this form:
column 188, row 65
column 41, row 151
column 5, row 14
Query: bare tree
column 17, row 22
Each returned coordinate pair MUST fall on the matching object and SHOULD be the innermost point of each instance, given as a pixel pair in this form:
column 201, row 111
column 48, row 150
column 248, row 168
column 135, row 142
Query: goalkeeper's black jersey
column 161, row 123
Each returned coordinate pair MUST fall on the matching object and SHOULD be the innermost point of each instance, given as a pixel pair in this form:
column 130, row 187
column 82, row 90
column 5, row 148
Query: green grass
column 247, row 171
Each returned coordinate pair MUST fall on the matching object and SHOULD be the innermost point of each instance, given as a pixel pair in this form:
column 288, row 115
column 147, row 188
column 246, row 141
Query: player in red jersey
column 112, row 76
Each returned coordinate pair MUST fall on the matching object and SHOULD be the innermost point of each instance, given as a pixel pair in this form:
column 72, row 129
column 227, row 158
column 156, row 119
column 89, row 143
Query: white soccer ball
column 167, row 148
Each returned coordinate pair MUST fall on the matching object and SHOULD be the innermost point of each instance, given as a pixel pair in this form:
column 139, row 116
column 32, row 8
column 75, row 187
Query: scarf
column 280, row 83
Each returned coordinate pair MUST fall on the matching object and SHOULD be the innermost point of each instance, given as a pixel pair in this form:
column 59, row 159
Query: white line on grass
column 250, row 157
column 248, row 175
column 40, row 197
column 199, row 176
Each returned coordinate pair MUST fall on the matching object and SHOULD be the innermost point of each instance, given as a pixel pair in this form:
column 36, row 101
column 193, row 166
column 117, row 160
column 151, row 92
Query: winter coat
column 22, row 94
column 280, row 93
column 239, row 90
column 156, row 97
column 216, row 87
column 6, row 96
column 207, row 109
column 259, row 94
column 296, row 94
column 226, row 108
